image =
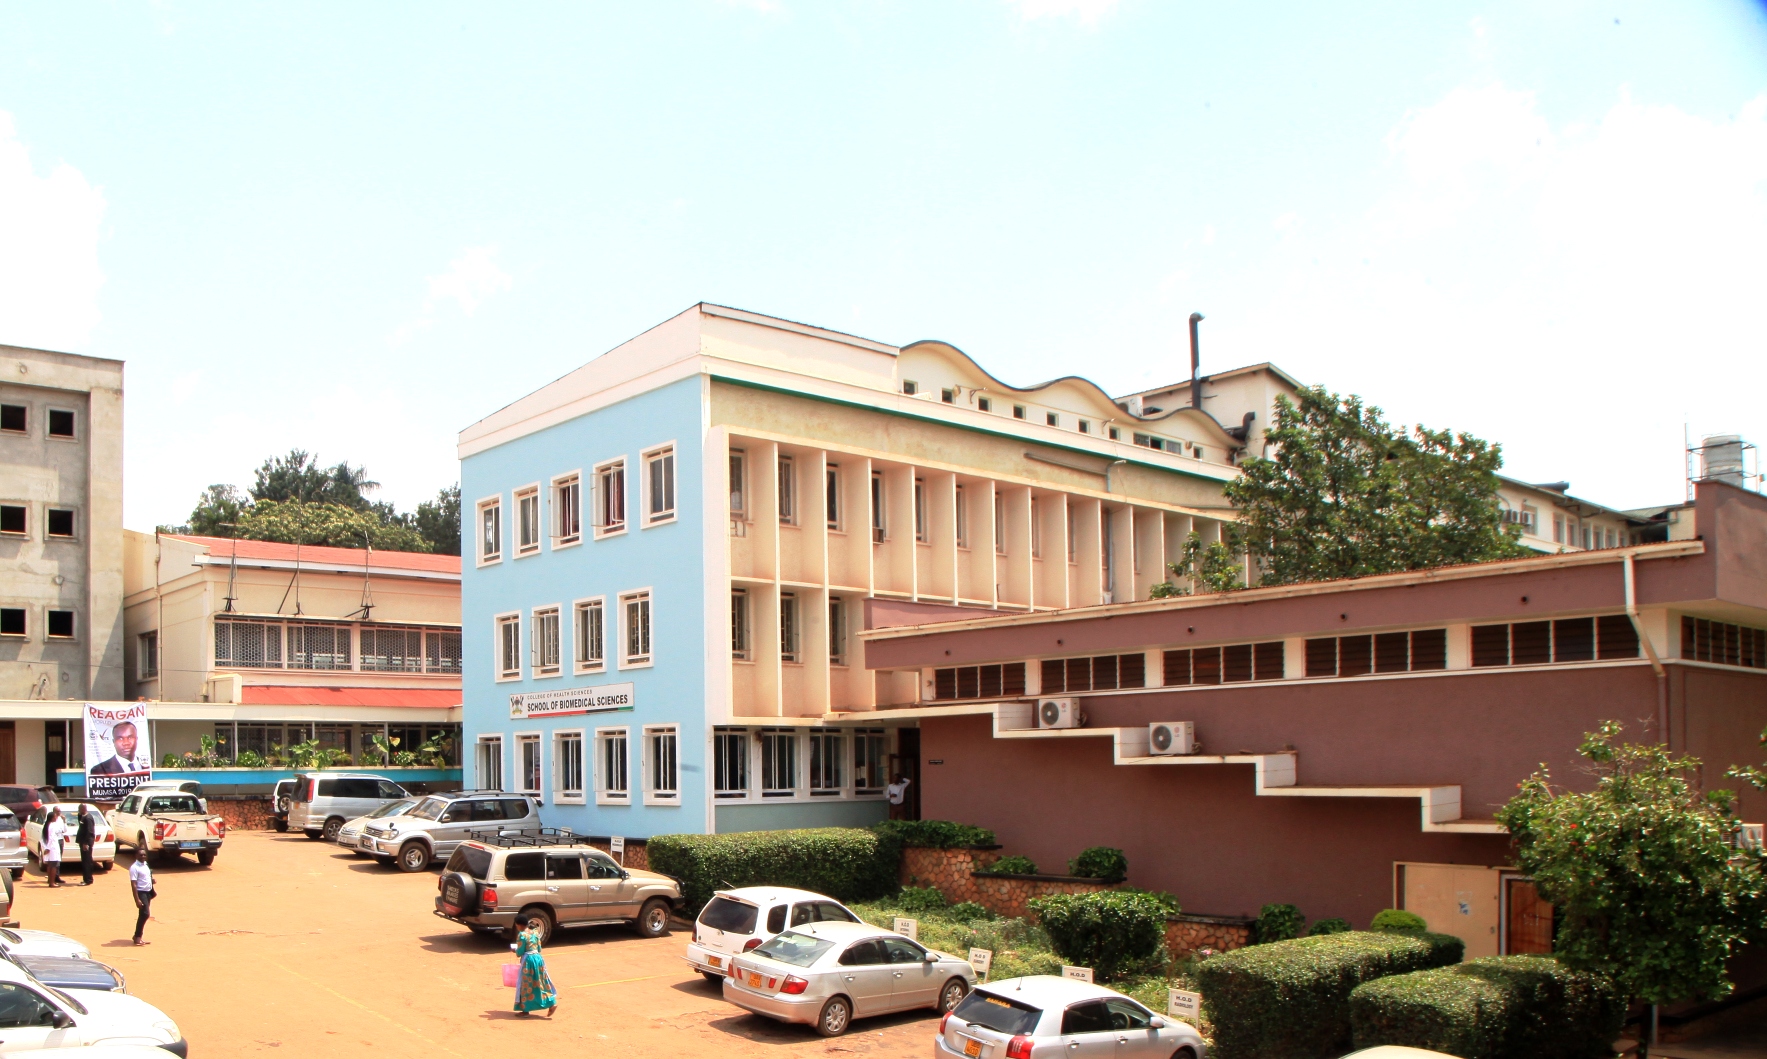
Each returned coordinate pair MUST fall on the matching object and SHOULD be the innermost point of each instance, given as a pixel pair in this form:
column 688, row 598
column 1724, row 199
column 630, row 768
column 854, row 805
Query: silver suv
column 430, row 830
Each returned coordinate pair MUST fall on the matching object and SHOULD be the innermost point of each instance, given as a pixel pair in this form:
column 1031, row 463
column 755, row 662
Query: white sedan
column 33, row 1016
column 15, row 942
column 104, row 849
column 1045, row 1015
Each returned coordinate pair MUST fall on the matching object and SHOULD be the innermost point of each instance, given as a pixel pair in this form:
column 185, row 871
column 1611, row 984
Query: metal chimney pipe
column 1196, row 360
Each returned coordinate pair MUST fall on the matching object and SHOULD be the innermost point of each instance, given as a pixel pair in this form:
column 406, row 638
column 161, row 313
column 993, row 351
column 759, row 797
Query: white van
column 735, row 921
column 324, row 800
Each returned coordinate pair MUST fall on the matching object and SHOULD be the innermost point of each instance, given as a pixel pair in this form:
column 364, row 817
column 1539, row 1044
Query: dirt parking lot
column 294, row 948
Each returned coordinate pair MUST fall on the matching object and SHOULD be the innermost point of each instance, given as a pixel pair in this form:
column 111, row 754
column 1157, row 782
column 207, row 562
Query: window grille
column 871, row 755
column 1223, row 665
column 589, row 630
column 567, row 510
column 981, row 682
column 661, row 468
column 528, row 755
column 613, row 764
column 1097, row 673
column 832, row 495
column 248, row 644
column 779, row 763
column 730, row 762
column 739, row 624
column 825, row 763
column 1387, row 652
column 788, row 492
column 738, row 493
column 392, row 650
column 1532, row 643
column 489, row 764
column 568, row 770
column 509, row 646
column 837, row 631
column 318, row 646
column 788, row 627
column 442, row 651
column 664, row 766
column 545, row 640
column 637, row 627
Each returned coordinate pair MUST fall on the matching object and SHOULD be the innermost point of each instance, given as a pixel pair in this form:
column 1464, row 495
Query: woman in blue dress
column 535, row 993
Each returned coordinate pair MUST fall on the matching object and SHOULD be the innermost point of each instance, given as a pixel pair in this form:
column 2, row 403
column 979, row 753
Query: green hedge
column 1501, row 1007
column 851, row 864
column 1290, row 999
column 934, row 834
column 1100, row 862
column 1278, row 923
column 1398, row 921
column 1114, row 932
column 1014, row 865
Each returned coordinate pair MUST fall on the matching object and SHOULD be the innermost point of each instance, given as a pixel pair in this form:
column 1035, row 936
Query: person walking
column 49, row 845
column 535, row 993
column 86, row 836
column 141, row 889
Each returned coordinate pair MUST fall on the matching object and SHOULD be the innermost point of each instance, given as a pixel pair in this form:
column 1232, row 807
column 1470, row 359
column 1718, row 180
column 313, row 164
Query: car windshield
column 732, row 917
column 429, row 809
column 998, row 1013
column 392, row 808
column 799, row 950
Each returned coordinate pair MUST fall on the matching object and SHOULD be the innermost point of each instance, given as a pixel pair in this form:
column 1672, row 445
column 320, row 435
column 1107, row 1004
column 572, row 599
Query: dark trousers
column 143, row 906
column 86, row 864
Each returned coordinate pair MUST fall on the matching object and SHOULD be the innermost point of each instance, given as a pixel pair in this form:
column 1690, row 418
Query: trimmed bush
column 1333, row 925
column 1398, row 921
column 969, row 911
column 1278, row 923
column 848, row 863
column 934, row 834
column 1501, row 1007
column 921, row 899
column 1112, row 931
column 1100, row 862
column 1290, row 999
column 1013, row 866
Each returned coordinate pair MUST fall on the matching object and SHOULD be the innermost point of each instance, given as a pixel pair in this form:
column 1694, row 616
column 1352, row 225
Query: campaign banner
column 571, row 700
column 118, row 757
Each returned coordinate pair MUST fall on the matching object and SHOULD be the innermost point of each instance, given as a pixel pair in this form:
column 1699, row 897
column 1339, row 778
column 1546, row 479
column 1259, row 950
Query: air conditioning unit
column 1171, row 737
column 1751, row 836
column 1058, row 713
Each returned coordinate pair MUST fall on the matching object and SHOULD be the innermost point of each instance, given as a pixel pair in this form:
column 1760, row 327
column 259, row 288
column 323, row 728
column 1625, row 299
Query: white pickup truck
column 170, row 822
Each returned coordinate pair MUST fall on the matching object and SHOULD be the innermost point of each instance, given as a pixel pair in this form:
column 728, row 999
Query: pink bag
column 512, row 974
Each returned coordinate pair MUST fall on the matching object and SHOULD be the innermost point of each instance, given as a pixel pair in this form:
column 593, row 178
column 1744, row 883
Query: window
column 1387, row 652
column 14, row 418
column 24, row 1008
column 1558, row 530
column 1116, row 434
column 788, row 492
column 490, row 530
column 739, row 624
column 527, row 756
column 1531, row 643
column 1085, row 426
column 980, row 682
column 832, row 496
column 999, row 524
column 248, row 644
column 527, row 520
column 1099, row 673
column 61, row 423
column 948, row 395
column 910, row 387
column 1073, row 534
column 1052, row 419
column 1018, row 411
column 489, row 763
column 837, row 631
column 586, row 617
column 962, row 518
column 612, row 784
column 659, row 478
column 509, row 647
column 662, row 768
column 985, row 404
column 610, row 498
column 318, row 646
column 635, row 606
column 1036, row 529
column 545, row 642
column 779, row 763
column 1223, row 665
column 12, row 621
column 392, row 650
column 1721, row 642
column 567, row 510
column 878, row 525
column 60, row 625
column 788, row 627
column 730, row 762
column 1151, row 442
column 871, row 756
column 147, row 655
column 826, row 756
column 14, row 518
column 738, row 494
column 921, row 532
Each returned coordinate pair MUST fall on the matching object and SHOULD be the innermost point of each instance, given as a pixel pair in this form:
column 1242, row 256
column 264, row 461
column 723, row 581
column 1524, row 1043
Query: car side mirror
column 1156, row 1023
column 61, row 1020
column 930, row 958
column 447, row 818
column 624, row 874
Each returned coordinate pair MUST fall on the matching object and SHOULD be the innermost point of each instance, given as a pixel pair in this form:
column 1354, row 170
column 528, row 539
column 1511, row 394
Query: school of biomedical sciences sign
column 566, row 701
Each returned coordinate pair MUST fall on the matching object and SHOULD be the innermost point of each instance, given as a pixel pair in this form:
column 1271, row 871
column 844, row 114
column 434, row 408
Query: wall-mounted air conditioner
column 1171, row 737
column 1751, row 836
column 1058, row 713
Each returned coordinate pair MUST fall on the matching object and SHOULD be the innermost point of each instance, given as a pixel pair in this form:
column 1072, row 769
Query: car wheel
column 279, row 825
column 413, row 857
column 653, row 919
column 715, row 978
column 206, row 857
column 543, row 914
column 331, row 828
column 105, row 865
column 952, row 995
column 836, row 1017
column 312, row 834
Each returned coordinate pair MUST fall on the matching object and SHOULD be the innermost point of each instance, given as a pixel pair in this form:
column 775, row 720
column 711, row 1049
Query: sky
column 355, row 229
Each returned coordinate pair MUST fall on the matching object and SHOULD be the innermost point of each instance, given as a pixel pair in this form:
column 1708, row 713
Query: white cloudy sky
column 356, row 229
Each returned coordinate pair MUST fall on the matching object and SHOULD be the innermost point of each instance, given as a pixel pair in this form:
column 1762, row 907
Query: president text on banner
column 118, row 757
column 571, row 700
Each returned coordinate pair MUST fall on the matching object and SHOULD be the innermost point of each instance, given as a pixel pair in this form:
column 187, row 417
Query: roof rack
column 512, row 838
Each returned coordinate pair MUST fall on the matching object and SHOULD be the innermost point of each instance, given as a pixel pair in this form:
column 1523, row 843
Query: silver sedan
column 1042, row 1015
column 828, row 974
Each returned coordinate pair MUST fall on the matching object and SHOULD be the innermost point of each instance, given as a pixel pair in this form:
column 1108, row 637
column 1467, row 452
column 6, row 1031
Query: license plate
column 190, row 845
column 715, row 961
column 971, row 1046
column 365, row 843
column 754, row 981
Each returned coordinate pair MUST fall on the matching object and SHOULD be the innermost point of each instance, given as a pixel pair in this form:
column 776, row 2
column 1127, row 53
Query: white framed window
column 779, row 763
column 879, row 527
column 788, row 491
column 999, row 524
column 612, row 754
column 147, row 656
column 788, row 628
column 962, row 513
column 832, row 496
column 739, row 624
column 567, row 510
column 488, row 763
column 567, row 766
column 509, row 646
column 659, row 485
column 739, row 494
column 871, row 759
column 527, row 520
column 1052, row 419
column 730, row 763
column 527, row 762
column 490, row 521
column 826, row 758
column 588, row 617
column 837, row 631
column 610, row 498
column 922, row 533
column 635, row 629
column 984, row 404
column 1085, row 426
column 544, row 639
column 662, row 765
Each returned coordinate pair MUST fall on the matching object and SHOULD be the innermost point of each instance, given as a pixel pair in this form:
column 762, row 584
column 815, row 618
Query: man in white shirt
column 141, row 888
column 897, row 793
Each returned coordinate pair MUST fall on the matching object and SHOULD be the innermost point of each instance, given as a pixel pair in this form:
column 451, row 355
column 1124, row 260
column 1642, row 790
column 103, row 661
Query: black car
column 69, row 972
column 21, row 800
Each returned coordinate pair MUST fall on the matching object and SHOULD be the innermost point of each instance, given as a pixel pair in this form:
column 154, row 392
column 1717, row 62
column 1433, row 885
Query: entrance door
column 1458, row 899
column 8, row 760
column 908, row 764
column 1527, row 921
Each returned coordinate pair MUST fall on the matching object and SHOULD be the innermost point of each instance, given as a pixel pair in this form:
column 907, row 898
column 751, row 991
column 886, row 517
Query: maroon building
column 1355, row 736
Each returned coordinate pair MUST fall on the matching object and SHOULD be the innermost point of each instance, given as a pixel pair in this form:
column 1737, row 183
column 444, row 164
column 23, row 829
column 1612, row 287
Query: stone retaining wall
column 1187, row 933
column 242, row 812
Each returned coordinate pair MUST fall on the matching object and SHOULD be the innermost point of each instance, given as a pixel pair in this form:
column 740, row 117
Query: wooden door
column 1527, row 927
column 8, row 757
column 1458, row 899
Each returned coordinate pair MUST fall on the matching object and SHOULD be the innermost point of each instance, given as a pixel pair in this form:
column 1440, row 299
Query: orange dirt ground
column 293, row 948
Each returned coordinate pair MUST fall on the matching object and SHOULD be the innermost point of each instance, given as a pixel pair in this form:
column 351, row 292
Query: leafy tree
column 438, row 521
column 1217, row 566
column 301, row 522
column 1347, row 495
column 298, row 476
column 216, row 514
column 1653, row 893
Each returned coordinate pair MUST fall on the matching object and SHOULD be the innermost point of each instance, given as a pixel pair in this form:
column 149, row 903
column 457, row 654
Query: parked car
column 39, row 1017
column 104, row 849
column 496, row 882
column 827, row 974
column 281, row 799
column 735, row 921
column 191, row 787
column 1396, row 1051
column 16, row 942
column 430, row 830
column 324, row 800
column 169, row 822
column 350, row 835
column 1046, row 1015
column 12, row 849
column 20, row 800
column 71, row 972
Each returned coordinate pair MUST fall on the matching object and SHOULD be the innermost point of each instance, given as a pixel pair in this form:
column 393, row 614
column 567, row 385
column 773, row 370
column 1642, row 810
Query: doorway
column 1527, row 919
column 906, row 762
column 8, row 755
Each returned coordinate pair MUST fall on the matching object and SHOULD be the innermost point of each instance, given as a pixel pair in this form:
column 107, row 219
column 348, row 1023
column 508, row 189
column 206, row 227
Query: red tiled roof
column 286, row 695
column 226, row 547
